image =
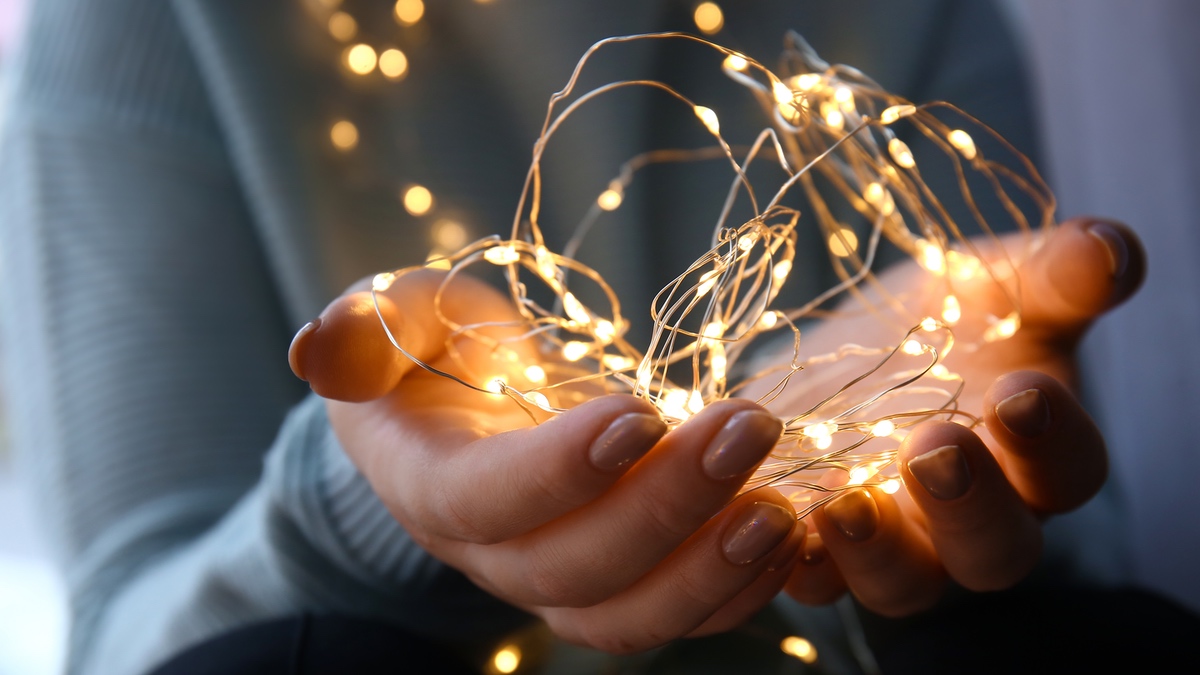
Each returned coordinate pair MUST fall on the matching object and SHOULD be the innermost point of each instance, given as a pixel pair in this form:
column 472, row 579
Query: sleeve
column 146, row 374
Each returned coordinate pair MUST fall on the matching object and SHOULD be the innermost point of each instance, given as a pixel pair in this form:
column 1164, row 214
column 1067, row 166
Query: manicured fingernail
column 942, row 472
column 295, row 351
column 625, row 440
column 762, row 527
column 1025, row 414
column 741, row 444
column 855, row 514
column 1114, row 244
column 787, row 554
column 814, row 550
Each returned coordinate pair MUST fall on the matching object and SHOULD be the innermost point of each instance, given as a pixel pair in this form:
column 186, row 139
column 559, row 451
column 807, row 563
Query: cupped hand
column 975, row 499
column 621, row 536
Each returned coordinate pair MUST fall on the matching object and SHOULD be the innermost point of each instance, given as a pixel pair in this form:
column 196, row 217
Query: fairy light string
column 832, row 132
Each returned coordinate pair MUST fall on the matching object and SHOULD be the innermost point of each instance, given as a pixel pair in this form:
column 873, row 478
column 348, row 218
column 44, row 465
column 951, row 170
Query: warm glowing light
column 845, row 97
column 383, row 281
column 502, row 255
column 782, row 269
column 674, row 403
column 715, row 329
column 932, row 258
column 859, row 475
column 880, row 198
column 821, row 430
column 496, row 385
column 574, row 309
column 823, row 442
column 408, row 12
column 883, row 428
column 929, row 324
column 951, row 310
column 361, row 59
column 707, row 281
column 890, row 486
column 709, row 118
column 963, row 141
column 912, row 347
column 895, row 112
column 437, row 261
column 616, row 362
column 342, row 26
column 768, row 320
column 393, row 64
column 645, row 373
column 799, row 648
column 806, row 81
column 695, row 402
column 545, row 264
column 940, row 371
column 747, row 241
column 832, row 114
column 962, row 265
column 900, row 153
column 843, row 242
column 604, row 330
column 507, row 659
column 1003, row 329
column 708, row 17
column 344, row 135
column 575, row 350
column 782, row 92
column 536, row 374
column 449, row 234
column 718, row 362
column 736, row 62
column 538, row 398
column 609, row 200
column 418, row 200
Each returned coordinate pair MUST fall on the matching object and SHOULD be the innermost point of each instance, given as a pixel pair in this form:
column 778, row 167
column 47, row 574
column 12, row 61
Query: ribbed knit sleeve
column 145, row 344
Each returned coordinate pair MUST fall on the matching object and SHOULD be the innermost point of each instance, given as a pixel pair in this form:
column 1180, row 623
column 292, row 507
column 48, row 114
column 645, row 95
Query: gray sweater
column 172, row 210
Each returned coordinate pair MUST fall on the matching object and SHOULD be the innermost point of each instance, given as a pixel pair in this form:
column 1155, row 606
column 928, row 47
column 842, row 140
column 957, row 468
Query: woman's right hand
column 619, row 535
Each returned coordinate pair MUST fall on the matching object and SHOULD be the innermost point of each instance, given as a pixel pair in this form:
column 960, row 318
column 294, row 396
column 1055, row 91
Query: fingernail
column 786, row 554
column 297, row 347
column 814, row 550
column 741, row 444
column 762, row 527
column 625, row 440
column 855, row 514
column 1025, row 414
column 1114, row 244
column 942, row 472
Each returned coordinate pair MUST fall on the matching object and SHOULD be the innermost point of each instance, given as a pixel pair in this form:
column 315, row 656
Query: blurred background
column 1117, row 84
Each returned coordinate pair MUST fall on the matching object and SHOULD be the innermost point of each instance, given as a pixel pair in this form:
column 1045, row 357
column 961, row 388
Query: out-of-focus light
column 408, row 12
column 709, row 117
column 361, row 59
column 609, row 200
column 449, row 234
column 843, row 242
column 342, row 26
column 344, row 135
column 418, row 200
column 393, row 64
column 799, row 648
column 736, row 62
column 709, row 18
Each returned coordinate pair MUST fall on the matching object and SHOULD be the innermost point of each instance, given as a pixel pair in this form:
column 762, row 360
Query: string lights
column 832, row 132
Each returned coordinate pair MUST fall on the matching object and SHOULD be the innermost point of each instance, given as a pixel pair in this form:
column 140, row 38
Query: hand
column 619, row 535
column 975, row 499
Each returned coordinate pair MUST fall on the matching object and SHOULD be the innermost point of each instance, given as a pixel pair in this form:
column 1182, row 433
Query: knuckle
column 555, row 582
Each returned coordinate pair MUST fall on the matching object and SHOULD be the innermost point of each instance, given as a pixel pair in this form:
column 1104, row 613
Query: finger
column 1086, row 267
column 985, row 535
column 1054, row 455
column 504, row 485
column 345, row 353
column 887, row 561
column 724, row 558
column 815, row 580
column 592, row 553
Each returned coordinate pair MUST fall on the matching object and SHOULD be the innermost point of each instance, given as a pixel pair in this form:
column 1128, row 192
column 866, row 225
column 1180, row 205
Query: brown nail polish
column 1025, row 414
column 942, row 472
column 741, row 444
column 762, row 527
column 855, row 514
column 625, row 440
column 1114, row 245
column 295, row 351
column 787, row 553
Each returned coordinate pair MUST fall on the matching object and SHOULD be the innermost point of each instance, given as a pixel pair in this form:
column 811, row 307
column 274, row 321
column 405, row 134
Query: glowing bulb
column 644, row 374
column 843, row 242
column 609, row 200
column 768, row 320
column 781, row 271
column 695, row 402
column 859, row 475
column 932, row 258
column 951, row 310
column 883, row 428
column 747, row 241
column 449, row 234
column 502, row 255
column 575, row 350
column 844, row 97
column 806, row 81
column 709, row 118
column 496, row 385
column 574, row 309
column 417, row 200
column 344, row 135
column 535, row 374
column 538, row 398
column 342, row 26
column 941, row 372
column 782, row 92
column 820, row 430
column 736, row 62
column 507, row 659
column 545, row 264
column 963, row 141
column 361, row 59
column 616, row 362
column 708, row 17
column 383, row 281
column 437, row 261
column 1003, row 329
column 929, row 324
column 799, row 648
column 901, row 154
column 890, row 486
column 912, row 347
column 408, row 12
column 823, row 442
column 707, row 281
column 895, row 112
column 832, row 114
column 881, row 198
column 718, row 362
column 714, row 330
column 393, row 64
column 962, row 265
column 605, row 331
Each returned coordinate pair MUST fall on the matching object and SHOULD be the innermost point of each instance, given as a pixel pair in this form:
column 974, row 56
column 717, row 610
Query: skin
column 624, row 558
